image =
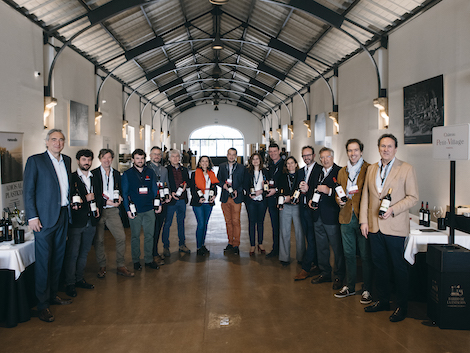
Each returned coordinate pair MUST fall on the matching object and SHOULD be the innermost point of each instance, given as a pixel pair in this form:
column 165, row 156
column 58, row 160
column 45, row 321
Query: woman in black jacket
column 255, row 201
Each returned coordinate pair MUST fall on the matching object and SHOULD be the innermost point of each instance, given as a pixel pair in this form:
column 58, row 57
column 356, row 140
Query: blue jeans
column 180, row 208
column 256, row 212
column 78, row 245
column 202, row 214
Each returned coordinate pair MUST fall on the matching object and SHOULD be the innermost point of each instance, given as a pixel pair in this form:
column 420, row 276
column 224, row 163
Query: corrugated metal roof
column 269, row 45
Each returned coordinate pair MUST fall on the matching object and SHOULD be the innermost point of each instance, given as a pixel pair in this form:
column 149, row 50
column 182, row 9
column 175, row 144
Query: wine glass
column 437, row 212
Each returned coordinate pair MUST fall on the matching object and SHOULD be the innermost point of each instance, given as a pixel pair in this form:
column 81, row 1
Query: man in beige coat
column 387, row 233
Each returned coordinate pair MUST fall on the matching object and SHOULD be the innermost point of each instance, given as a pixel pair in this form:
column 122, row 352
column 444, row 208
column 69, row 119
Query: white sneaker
column 344, row 292
column 366, row 297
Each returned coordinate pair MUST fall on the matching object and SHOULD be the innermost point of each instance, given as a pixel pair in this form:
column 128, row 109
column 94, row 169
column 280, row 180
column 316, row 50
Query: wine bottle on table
column 427, row 216
column 421, row 214
column 385, row 204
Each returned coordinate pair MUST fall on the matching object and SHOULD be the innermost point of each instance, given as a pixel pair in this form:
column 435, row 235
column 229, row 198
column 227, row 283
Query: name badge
column 143, row 190
column 105, row 195
column 353, row 190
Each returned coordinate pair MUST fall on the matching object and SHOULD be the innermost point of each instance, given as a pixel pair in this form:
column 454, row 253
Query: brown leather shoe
column 46, row 315
column 101, row 273
column 302, row 275
column 158, row 260
column 123, row 271
column 59, row 301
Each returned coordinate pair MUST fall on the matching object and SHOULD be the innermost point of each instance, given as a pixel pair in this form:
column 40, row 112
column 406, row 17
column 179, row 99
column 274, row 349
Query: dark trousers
column 180, row 209
column 159, row 221
column 274, row 215
column 256, row 212
column 327, row 235
column 49, row 252
column 78, row 245
column 310, row 257
column 387, row 256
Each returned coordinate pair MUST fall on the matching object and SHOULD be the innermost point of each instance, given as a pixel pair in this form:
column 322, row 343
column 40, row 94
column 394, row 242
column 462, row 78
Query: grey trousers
column 326, row 235
column 111, row 219
column 289, row 214
column 144, row 220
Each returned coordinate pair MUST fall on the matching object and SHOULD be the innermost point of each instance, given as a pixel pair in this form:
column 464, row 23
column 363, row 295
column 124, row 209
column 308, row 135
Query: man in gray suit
column 46, row 196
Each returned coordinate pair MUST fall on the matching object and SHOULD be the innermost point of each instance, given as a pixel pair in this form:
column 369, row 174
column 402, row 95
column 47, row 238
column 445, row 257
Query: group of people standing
column 69, row 211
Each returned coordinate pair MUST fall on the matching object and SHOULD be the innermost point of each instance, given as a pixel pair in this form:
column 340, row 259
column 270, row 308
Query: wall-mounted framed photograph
column 78, row 127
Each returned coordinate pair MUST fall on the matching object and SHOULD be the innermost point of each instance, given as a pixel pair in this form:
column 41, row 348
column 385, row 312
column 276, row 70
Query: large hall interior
column 213, row 74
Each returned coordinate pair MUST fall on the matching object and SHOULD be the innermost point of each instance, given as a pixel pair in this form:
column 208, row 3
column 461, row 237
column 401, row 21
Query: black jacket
column 172, row 184
column 80, row 217
column 248, row 183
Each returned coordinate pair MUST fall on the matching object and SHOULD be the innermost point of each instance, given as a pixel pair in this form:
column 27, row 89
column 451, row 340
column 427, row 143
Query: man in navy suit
column 231, row 174
column 46, row 194
column 326, row 223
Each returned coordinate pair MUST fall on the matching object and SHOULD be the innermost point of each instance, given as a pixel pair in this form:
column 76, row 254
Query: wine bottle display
column 386, row 201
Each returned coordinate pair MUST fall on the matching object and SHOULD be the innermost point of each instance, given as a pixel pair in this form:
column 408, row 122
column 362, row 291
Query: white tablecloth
column 17, row 257
column 419, row 239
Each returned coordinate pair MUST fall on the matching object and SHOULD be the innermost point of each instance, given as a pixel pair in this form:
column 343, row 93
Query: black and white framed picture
column 423, row 109
column 78, row 124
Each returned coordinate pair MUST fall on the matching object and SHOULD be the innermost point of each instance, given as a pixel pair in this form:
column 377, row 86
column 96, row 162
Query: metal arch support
column 220, row 79
column 220, row 64
column 330, row 17
column 224, row 90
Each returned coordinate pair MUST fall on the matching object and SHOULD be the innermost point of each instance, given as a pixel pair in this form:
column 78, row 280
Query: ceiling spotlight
column 216, row 108
column 218, row 2
column 217, row 43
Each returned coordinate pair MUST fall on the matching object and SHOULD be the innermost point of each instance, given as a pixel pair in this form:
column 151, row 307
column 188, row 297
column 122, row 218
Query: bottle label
column 296, row 194
column 340, row 191
column 280, row 200
column 230, row 190
column 252, row 191
column 426, row 217
column 211, row 193
column 266, row 187
column 116, row 194
column 421, row 216
column 75, row 199
column 200, row 194
column 166, row 191
column 156, row 202
column 179, row 191
column 162, row 193
column 316, row 197
column 385, row 205
column 132, row 208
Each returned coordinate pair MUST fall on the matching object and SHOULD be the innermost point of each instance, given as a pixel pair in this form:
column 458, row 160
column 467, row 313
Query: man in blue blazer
column 231, row 175
column 46, row 196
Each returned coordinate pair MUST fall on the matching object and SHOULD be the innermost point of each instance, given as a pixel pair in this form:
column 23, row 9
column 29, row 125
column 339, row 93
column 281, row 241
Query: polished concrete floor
column 221, row 304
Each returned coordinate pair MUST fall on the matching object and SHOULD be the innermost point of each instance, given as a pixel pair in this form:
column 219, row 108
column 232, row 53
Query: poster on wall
column 320, row 129
column 423, row 109
column 11, row 164
column 78, row 127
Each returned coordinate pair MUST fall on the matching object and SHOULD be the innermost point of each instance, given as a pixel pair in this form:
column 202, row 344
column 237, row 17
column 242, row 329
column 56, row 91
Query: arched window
column 215, row 140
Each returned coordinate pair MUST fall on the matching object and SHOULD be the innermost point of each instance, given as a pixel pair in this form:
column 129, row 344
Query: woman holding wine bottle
column 203, row 191
column 290, row 212
column 255, row 200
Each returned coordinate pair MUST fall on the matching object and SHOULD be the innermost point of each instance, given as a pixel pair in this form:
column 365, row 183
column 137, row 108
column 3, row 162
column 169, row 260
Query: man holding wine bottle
column 350, row 183
column 231, row 177
column 139, row 190
column 85, row 214
column 385, row 221
column 161, row 175
column 325, row 217
column 46, row 189
column 178, row 178
column 109, row 186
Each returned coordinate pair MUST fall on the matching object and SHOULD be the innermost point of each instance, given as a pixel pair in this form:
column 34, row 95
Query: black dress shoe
column 228, row 248
column 377, row 306
column 272, row 254
column 137, row 266
column 59, row 301
column 152, row 264
column 320, row 279
column 398, row 315
column 84, row 284
column 201, row 252
column 205, row 249
column 71, row 291
column 236, row 250
column 46, row 315
column 315, row 270
column 284, row 263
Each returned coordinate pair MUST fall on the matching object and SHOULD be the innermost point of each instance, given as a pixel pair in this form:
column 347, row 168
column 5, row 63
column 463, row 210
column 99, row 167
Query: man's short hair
column 173, row 152
column 361, row 145
column 103, row 151
column 233, row 149
column 51, row 131
column 327, row 149
column 274, row 145
column 155, row 148
column 140, row 152
column 389, row 136
column 305, row 147
column 84, row 153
